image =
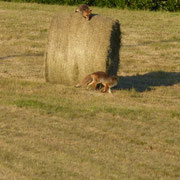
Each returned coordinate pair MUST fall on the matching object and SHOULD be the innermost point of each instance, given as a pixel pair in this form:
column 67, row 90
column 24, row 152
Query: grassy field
column 50, row 131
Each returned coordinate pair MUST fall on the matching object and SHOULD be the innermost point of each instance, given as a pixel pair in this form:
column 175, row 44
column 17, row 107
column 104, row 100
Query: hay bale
column 77, row 47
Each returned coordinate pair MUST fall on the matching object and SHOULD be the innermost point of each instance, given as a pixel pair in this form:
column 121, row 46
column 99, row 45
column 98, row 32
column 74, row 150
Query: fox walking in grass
column 84, row 10
column 97, row 78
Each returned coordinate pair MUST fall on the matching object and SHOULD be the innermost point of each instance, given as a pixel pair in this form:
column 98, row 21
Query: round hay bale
column 77, row 47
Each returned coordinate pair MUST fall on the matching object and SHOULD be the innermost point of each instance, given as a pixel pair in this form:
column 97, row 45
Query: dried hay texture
column 77, row 47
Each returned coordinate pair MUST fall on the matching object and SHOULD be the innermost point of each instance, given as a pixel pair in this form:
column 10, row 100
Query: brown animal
column 84, row 10
column 97, row 78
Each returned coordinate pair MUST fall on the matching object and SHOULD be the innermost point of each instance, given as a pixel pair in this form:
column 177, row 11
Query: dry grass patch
column 59, row 132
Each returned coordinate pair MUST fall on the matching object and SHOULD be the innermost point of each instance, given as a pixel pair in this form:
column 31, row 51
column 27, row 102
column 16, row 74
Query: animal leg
column 95, row 84
column 109, row 90
column 105, row 88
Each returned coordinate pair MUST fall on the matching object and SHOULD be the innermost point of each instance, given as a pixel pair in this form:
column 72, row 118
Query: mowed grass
column 50, row 131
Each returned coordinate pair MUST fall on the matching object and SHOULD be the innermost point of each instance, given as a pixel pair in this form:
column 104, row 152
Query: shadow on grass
column 147, row 81
column 144, row 43
column 20, row 55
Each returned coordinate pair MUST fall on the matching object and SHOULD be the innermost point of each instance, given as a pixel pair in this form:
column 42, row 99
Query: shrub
column 170, row 5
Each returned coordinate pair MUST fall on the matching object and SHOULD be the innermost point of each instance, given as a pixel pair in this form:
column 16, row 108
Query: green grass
column 50, row 131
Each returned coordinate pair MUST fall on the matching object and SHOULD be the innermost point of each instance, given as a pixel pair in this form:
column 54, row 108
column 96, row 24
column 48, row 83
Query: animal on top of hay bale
column 77, row 47
column 84, row 10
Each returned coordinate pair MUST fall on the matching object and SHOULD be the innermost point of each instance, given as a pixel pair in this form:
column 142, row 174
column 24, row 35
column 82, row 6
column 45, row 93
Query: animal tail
column 86, row 80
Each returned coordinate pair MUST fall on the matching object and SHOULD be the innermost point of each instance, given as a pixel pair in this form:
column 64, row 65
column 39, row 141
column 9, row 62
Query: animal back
column 83, row 7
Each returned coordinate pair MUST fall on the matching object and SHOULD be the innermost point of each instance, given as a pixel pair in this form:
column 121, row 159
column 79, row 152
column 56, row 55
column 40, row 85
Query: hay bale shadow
column 147, row 81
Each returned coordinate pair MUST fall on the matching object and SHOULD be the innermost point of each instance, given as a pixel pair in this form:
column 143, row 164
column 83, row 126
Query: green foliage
column 169, row 5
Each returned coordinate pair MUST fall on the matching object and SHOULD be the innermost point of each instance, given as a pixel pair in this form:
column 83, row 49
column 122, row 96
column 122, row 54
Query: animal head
column 87, row 14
